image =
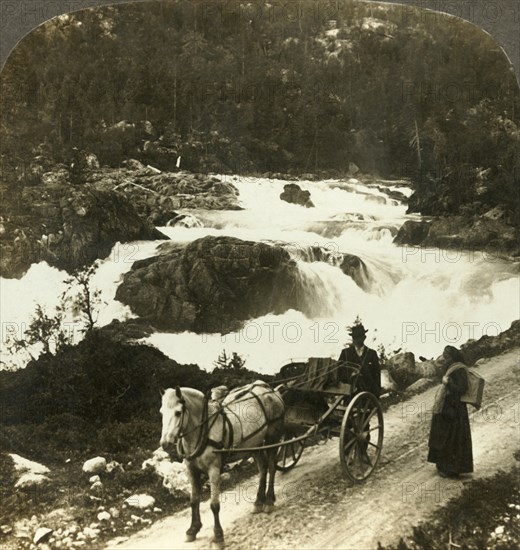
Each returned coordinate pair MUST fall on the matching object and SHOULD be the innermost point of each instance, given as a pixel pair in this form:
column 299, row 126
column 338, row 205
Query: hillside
column 259, row 87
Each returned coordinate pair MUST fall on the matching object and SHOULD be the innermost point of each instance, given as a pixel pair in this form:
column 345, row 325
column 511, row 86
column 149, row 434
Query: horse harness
column 207, row 422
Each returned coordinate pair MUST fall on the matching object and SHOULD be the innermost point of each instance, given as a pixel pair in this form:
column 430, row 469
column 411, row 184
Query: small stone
column 103, row 516
column 42, row 533
column 81, row 536
column 114, row 466
column 225, row 476
column 5, row 529
column 79, row 543
column 91, row 533
column 96, row 486
column 114, row 512
column 141, row 501
column 93, row 479
column 95, row 465
column 157, row 510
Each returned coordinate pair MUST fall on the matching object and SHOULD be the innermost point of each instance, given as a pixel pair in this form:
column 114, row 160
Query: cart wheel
column 288, row 454
column 361, row 437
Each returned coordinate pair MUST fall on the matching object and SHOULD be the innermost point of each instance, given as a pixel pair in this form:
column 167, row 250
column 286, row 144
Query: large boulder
column 294, row 194
column 403, row 370
column 432, row 368
column 214, row 284
column 68, row 227
column 31, row 480
column 23, row 465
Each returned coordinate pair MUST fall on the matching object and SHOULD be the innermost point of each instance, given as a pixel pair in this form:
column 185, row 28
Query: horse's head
column 174, row 417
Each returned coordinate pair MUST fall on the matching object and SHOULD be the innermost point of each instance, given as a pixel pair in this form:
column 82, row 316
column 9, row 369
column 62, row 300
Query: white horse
column 248, row 417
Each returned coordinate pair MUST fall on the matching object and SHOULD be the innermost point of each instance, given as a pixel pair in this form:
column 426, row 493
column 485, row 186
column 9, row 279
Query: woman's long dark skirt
column 450, row 440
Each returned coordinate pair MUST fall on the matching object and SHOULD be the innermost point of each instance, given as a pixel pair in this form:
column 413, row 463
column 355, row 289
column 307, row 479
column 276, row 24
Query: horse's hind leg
column 270, row 497
column 194, row 474
column 261, row 462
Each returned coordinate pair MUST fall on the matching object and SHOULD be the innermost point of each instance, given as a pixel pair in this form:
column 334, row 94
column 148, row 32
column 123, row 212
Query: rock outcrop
column 214, row 284
column 210, row 285
column 157, row 194
column 66, row 226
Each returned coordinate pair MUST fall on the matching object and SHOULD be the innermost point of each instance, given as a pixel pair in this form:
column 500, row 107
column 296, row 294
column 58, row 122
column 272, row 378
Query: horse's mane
column 190, row 394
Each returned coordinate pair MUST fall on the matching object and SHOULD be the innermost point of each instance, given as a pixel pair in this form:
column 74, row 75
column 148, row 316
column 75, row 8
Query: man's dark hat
column 357, row 330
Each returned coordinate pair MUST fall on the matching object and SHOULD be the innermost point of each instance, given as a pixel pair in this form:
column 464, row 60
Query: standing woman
column 450, row 436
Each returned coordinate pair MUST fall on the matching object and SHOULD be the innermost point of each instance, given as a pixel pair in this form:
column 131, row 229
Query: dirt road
column 317, row 508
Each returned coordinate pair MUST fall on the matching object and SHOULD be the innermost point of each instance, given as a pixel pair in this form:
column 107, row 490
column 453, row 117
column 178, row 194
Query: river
column 413, row 299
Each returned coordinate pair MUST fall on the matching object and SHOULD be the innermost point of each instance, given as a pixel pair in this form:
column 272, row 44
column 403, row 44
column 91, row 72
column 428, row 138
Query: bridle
column 180, row 435
column 203, row 428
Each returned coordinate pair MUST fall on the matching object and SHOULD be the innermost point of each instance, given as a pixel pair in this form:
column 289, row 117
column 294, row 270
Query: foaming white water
column 416, row 313
column 44, row 285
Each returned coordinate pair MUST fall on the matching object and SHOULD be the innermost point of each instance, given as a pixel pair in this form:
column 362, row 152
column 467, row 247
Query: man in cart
column 365, row 358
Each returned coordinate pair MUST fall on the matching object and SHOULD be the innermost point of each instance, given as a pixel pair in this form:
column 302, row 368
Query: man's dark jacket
column 370, row 376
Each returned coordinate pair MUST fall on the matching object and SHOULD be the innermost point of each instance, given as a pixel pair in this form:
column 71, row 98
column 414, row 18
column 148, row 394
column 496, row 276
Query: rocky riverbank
column 66, row 226
column 491, row 232
column 157, row 195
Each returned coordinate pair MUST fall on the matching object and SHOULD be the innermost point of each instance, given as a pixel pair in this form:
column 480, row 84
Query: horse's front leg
column 194, row 475
column 214, row 479
column 261, row 462
column 270, row 496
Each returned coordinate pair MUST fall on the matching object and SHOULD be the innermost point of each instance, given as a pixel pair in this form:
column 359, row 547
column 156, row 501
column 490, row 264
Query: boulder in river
column 294, row 194
column 214, row 284
column 210, row 285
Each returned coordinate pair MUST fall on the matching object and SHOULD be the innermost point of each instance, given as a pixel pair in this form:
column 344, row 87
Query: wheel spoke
column 367, row 421
column 373, row 444
column 378, row 427
column 349, row 444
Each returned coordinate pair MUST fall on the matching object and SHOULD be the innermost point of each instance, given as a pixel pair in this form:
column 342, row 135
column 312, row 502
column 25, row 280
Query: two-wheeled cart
column 317, row 405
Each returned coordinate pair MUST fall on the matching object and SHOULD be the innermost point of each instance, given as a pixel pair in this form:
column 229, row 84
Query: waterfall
column 409, row 298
